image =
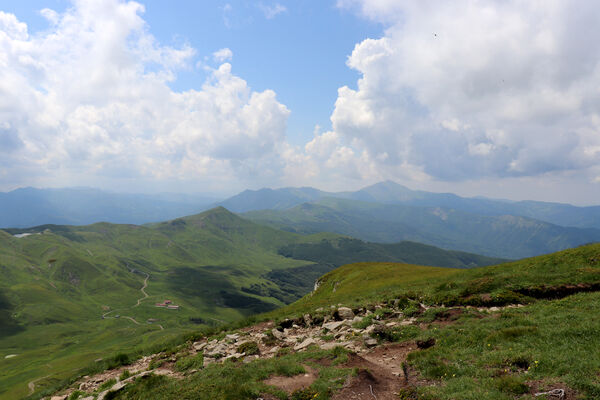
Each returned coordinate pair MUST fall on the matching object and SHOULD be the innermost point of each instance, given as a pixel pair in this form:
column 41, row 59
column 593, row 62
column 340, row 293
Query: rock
column 332, row 326
column 88, row 398
column 278, row 334
column 219, row 350
column 84, row 386
column 199, row 346
column 63, row 397
column 304, row 344
column 332, row 345
column 494, row 309
column 274, row 350
column 370, row 342
column 307, row 319
column 406, row 322
column 233, row 336
column 356, row 320
column 345, row 313
column 249, row 359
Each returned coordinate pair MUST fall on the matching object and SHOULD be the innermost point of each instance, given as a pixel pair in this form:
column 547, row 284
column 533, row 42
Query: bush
column 187, row 363
column 249, row 348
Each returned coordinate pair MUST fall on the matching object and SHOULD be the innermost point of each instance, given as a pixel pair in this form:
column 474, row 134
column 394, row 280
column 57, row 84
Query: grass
column 245, row 381
column 58, row 283
column 502, row 355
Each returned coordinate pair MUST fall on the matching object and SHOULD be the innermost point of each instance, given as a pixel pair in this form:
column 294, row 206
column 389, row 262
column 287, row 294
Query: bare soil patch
column 380, row 373
column 291, row 383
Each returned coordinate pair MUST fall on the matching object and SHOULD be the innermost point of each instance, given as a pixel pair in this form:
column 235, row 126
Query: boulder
column 278, row 334
column 345, row 313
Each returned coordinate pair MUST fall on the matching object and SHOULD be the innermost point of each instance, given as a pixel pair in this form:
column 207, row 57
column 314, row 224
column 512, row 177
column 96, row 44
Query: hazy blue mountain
column 79, row 206
column 556, row 213
column 389, row 192
column 505, row 236
column 272, row 199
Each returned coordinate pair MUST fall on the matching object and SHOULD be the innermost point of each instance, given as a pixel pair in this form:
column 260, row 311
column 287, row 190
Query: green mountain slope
column 342, row 251
column 511, row 331
column 71, row 294
column 496, row 236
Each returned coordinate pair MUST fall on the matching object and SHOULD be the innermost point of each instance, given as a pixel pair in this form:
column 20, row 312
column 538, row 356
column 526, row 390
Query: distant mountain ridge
column 389, row 192
column 505, row 236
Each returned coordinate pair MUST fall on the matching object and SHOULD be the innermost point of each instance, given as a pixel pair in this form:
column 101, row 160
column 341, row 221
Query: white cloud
column 88, row 100
column 271, row 11
column 222, row 55
column 471, row 89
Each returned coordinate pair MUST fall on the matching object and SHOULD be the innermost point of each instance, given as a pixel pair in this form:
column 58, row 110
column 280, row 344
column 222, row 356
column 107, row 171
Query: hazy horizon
column 474, row 98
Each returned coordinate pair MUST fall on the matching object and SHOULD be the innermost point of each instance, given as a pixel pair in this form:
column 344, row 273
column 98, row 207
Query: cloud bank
column 88, row 99
column 453, row 92
column 471, row 89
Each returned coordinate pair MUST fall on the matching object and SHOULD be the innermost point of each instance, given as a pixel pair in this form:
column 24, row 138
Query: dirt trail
column 31, row 385
column 145, row 285
column 380, row 374
column 143, row 291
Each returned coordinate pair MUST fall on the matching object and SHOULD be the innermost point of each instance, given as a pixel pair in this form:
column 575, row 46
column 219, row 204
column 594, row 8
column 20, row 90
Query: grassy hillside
column 445, row 348
column 72, row 294
column 495, row 236
column 342, row 251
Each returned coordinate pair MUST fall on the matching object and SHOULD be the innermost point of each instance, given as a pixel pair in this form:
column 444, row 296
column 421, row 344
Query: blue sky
column 479, row 97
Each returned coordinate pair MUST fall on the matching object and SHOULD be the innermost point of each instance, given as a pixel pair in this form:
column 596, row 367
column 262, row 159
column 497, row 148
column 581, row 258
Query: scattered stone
column 278, row 334
column 198, row 346
column 332, row 326
column 370, row 342
column 233, row 336
column 304, row 344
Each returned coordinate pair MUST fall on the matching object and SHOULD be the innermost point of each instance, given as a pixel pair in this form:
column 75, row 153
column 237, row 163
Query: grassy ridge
column 480, row 354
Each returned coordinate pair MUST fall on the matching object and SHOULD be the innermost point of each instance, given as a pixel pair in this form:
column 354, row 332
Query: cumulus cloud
column 89, row 97
column 472, row 89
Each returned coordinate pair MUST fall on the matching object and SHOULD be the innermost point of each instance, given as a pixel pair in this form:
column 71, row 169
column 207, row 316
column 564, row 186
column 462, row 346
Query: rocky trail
column 382, row 373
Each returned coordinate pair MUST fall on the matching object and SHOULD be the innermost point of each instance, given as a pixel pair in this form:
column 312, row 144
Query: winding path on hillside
column 31, row 385
column 143, row 291
column 145, row 285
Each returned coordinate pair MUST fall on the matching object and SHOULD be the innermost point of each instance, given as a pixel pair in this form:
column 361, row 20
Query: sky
column 491, row 98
